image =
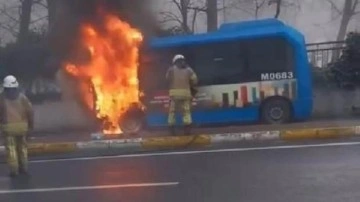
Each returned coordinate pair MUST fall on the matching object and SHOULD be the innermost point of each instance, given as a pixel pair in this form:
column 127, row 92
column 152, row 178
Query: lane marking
column 117, row 186
column 201, row 152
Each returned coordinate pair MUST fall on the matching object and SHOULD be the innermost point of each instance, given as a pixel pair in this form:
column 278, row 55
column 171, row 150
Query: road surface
column 276, row 172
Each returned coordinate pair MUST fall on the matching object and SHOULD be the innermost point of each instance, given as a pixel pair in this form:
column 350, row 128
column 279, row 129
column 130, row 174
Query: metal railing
column 321, row 54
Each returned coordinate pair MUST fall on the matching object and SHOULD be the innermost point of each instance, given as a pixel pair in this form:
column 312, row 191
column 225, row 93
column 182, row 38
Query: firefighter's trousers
column 185, row 105
column 17, row 153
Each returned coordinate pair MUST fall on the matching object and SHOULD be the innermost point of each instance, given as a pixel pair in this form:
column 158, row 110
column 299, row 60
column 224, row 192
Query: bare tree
column 189, row 11
column 51, row 7
column 18, row 19
column 186, row 9
column 348, row 11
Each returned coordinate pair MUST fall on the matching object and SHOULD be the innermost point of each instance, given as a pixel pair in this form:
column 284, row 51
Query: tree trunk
column 345, row 19
column 212, row 15
column 278, row 8
column 343, row 27
column 184, row 15
column 25, row 19
column 52, row 9
column 256, row 13
column 347, row 13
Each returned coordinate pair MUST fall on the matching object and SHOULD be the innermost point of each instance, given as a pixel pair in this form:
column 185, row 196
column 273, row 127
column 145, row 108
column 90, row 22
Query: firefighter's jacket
column 16, row 116
column 180, row 81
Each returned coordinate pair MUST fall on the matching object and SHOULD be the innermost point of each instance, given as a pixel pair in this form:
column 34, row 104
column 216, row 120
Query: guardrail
column 321, row 54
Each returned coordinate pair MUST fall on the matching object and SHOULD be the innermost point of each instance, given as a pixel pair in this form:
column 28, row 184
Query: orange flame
column 112, row 69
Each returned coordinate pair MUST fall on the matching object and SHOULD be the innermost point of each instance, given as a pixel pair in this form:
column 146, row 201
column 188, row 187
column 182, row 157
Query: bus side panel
column 227, row 103
column 204, row 117
column 302, row 109
column 303, row 105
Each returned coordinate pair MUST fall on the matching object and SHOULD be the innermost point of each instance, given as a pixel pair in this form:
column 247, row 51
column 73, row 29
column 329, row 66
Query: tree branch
column 333, row 5
column 170, row 17
column 10, row 29
column 177, row 4
column 259, row 5
column 39, row 19
column 243, row 9
column 195, row 8
column 4, row 10
column 41, row 3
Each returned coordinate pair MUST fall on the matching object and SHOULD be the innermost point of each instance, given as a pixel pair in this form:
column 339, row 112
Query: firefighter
column 16, row 119
column 181, row 79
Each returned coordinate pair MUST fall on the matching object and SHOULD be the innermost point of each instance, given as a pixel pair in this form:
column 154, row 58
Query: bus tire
column 276, row 110
column 131, row 125
column 132, row 122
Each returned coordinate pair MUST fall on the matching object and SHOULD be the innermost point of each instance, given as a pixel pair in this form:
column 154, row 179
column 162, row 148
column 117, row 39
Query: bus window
column 270, row 55
column 218, row 63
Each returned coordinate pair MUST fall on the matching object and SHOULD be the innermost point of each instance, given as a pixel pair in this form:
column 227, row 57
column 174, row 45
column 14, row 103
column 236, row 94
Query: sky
column 311, row 17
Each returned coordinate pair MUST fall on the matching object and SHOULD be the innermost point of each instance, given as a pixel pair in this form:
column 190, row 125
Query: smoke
column 71, row 13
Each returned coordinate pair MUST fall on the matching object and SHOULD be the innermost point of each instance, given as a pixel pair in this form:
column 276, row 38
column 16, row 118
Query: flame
column 112, row 70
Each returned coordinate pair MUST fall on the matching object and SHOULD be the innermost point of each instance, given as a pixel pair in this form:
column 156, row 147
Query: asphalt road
column 279, row 172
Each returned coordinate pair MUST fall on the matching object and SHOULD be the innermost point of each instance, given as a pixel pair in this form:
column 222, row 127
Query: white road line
column 117, row 186
column 202, row 152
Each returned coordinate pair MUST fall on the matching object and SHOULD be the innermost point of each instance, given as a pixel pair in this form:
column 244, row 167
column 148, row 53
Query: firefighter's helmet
column 10, row 81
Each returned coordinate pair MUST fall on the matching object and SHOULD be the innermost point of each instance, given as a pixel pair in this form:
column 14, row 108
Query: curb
column 159, row 143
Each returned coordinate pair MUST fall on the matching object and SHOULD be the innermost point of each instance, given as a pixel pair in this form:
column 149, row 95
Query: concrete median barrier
column 63, row 147
column 246, row 136
column 318, row 133
column 93, row 145
column 176, row 142
column 179, row 142
column 52, row 148
column 125, row 144
column 36, row 148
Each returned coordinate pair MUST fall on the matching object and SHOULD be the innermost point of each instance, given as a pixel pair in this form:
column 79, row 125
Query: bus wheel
column 276, row 111
column 131, row 125
column 133, row 121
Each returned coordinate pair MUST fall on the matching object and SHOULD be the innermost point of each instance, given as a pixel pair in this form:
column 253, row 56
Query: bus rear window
column 270, row 55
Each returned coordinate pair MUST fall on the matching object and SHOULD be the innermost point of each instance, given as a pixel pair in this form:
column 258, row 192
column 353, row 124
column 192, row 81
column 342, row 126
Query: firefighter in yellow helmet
column 16, row 119
column 181, row 79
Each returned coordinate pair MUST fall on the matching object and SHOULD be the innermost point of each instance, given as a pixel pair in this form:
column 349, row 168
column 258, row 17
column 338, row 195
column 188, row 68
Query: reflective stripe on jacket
column 20, row 128
column 180, row 80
